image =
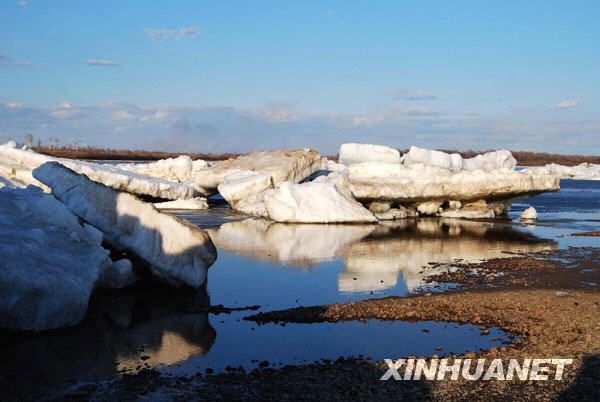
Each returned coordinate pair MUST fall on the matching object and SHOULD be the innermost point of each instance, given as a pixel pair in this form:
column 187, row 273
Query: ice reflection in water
column 119, row 330
column 375, row 257
column 276, row 266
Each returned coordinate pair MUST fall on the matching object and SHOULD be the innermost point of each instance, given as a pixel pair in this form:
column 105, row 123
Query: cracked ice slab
column 176, row 251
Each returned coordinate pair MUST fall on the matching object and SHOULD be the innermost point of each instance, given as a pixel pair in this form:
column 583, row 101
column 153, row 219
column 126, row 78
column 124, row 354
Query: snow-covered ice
column 178, row 169
column 491, row 161
column 583, row 171
column 280, row 166
column 176, row 251
column 530, row 214
column 119, row 275
column 487, row 162
column 417, row 183
column 122, row 180
column 50, row 262
column 193, row 203
column 438, row 159
column 359, row 153
column 320, row 201
column 429, row 207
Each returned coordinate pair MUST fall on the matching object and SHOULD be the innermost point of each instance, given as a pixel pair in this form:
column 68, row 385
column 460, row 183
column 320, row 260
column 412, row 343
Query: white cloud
column 189, row 32
column 569, row 103
column 101, row 62
column 122, row 115
column 190, row 128
column 22, row 3
column 64, row 110
column 163, row 35
column 15, row 105
column 158, row 115
column 413, row 95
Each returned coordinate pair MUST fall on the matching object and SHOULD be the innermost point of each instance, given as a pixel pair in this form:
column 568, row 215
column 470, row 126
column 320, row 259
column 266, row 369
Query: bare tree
column 29, row 140
column 54, row 142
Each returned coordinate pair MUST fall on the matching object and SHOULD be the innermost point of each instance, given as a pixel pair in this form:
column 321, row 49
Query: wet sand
column 546, row 300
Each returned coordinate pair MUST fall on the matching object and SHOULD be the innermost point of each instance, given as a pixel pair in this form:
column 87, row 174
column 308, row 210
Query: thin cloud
column 6, row 60
column 568, row 104
column 229, row 129
column 414, row 95
column 22, row 3
column 101, row 63
column 164, row 35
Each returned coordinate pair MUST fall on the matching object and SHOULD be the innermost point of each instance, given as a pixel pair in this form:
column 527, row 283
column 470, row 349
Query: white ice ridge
column 280, row 166
column 244, row 181
column 416, row 183
column 487, row 162
column 50, row 263
column 358, row 153
column 176, row 251
column 583, row 171
column 178, row 169
column 22, row 162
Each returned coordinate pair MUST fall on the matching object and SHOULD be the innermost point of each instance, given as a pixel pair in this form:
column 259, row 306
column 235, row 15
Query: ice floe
column 320, row 201
column 178, row 169
column 583, row 171
column 529, row 214
column 193, row 203
column 243, row 190
column 280, row 166
column 22, row 162
column 418, row 183
column 50, row 262
column 176, row 251
column 487, row 162
column 359, row 153
column 438, row 159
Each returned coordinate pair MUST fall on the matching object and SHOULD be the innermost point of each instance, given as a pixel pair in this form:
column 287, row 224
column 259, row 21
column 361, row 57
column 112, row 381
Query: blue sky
column 242, row 75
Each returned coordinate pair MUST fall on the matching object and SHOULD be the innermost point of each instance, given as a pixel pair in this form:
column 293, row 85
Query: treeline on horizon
column 524, row 158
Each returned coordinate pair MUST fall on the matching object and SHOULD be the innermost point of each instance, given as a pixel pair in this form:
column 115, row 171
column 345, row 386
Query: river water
column 278, row 266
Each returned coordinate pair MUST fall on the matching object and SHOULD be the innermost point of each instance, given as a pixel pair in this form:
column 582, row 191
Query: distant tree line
column 76, row 151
